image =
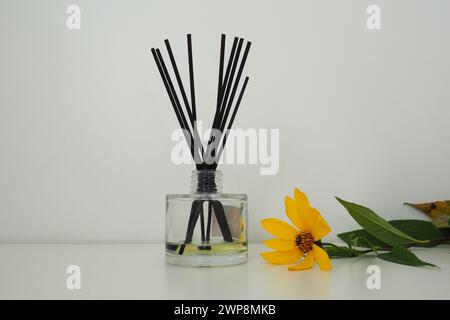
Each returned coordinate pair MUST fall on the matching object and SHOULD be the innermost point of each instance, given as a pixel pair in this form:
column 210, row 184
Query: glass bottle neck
column 206, row 181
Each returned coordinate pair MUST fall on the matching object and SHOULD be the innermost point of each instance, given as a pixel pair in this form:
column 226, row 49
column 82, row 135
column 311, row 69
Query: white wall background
column 85, row 122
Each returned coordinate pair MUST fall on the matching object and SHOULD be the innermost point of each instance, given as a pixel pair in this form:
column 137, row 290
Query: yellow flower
column 293, row 244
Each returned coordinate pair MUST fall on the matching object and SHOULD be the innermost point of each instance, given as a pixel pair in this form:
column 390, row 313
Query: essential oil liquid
column 214, row 246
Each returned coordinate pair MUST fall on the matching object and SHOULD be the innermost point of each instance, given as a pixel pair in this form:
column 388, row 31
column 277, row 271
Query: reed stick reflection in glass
column 206, row 227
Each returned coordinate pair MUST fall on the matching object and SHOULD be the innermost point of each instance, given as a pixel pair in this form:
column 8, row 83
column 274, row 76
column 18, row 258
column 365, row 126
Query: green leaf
column 351, row 236
column 365, row 243
column 335, row 251
column 377, row 226
column 418, row 229
column 401, row 255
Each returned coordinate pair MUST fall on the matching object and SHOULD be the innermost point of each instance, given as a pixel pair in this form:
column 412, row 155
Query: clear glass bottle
column 206, row 228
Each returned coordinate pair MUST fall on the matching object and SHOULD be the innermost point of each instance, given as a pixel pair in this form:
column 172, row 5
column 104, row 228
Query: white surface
column 139, row 271
column 85, row 122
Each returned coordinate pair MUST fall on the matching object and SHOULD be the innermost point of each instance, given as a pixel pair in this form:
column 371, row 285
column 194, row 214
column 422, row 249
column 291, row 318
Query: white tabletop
column 131, row 271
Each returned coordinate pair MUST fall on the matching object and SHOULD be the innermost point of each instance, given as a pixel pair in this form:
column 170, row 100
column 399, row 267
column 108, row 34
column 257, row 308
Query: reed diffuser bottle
column 206, row 227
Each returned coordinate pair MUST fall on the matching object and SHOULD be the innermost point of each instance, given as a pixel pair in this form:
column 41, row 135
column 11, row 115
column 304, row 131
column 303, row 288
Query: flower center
column 304, row 241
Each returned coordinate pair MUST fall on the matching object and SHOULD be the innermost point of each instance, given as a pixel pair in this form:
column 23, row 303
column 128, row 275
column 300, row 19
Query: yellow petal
column 301, row 199
column 319, row 228
column 293, row 214
column 322, row 258
column 279, row 228
column 282, row 257
column 310, row 216
column 280, row 244
column 302, row 204
column 306, row 263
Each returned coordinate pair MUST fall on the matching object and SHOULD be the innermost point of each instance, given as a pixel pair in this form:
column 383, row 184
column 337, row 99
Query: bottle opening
column 206, row 181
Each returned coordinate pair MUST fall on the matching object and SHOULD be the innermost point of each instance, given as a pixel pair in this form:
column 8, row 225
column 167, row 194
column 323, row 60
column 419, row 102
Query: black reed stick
column 230, row 102
column 209, row 222
column 236, row 83
column 222, row 220
column 233, row 116
column 180, row 83
column 172, row 89
column 194, row 116
column 226, row 85
column 172, row 100
column 221, row 63
column 191, row 76
column 191, row 112
column 196, row 206
column 230, row 80
column 227, row 72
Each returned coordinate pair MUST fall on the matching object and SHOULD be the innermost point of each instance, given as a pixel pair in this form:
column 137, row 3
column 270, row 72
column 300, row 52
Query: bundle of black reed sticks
column 225, row 114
